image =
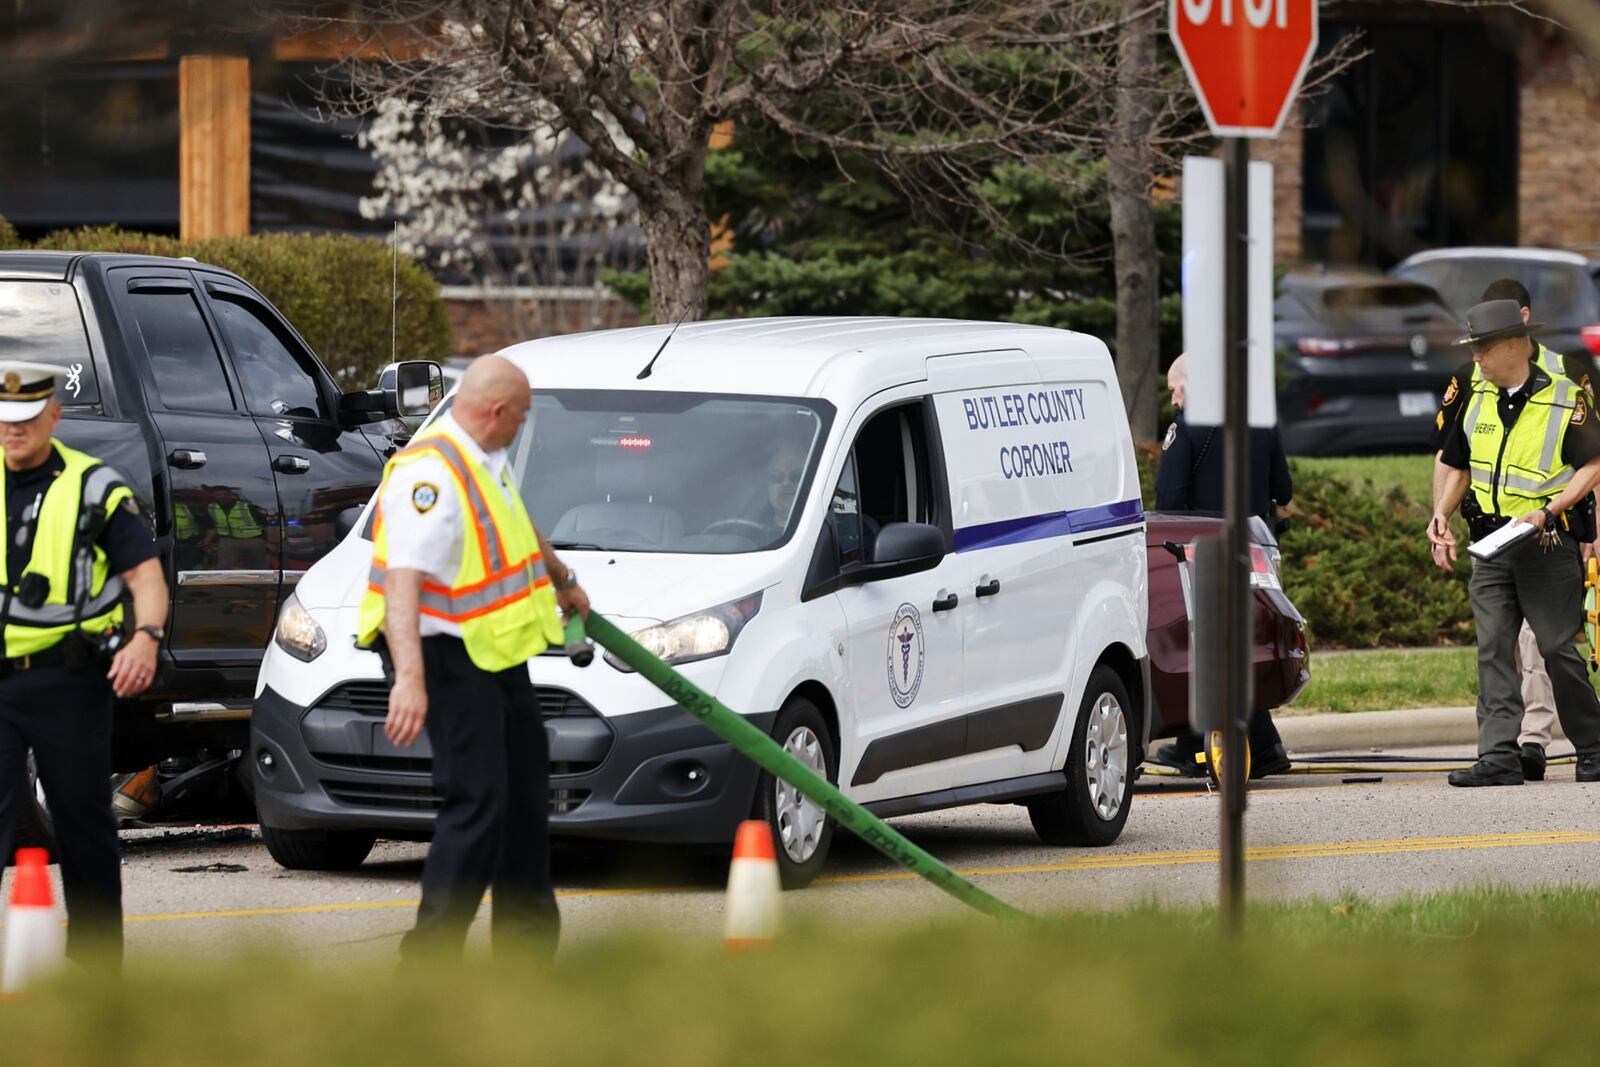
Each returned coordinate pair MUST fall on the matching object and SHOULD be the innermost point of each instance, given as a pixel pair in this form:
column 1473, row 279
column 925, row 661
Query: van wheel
column 38, row 829
column 1093, row 808
column 318, row 850
column 801, row 830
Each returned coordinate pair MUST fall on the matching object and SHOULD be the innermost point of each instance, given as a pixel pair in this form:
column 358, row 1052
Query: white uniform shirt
column 423, row 515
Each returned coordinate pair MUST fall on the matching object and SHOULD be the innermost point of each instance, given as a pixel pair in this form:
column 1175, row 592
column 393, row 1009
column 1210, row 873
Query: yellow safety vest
column 1522, row 470
column 238, row 521
column 66, row 555
column 501, row 595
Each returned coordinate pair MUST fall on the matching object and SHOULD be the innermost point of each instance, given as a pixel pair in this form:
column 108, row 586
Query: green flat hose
column 770, row 757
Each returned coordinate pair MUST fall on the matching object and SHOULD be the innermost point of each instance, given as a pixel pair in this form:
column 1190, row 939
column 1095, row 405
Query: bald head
column 1178, row 380
column 492, row 401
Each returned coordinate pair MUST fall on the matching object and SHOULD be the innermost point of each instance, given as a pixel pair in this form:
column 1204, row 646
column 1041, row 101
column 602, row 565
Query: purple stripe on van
column 1055, row 524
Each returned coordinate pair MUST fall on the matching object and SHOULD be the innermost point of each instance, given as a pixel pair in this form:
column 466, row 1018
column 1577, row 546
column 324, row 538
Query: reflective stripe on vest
column 84, row 484
column 1531, row 471
column 501, row 595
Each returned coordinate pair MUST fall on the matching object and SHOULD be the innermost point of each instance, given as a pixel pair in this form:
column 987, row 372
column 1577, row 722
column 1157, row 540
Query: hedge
column 334, row 289
column 1356, row 563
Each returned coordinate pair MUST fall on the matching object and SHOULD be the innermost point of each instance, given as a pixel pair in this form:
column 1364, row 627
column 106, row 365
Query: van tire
column 318, row 850
column 38, row 829
column 802, row 725
column 1078, row 815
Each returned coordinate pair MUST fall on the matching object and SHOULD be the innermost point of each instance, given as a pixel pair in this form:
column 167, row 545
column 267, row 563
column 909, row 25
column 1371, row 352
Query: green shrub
column 8, row 235
column 335, row 290
column 1357, row 565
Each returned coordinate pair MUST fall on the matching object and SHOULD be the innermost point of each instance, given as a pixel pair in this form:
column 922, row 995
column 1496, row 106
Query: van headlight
column 695, row 637
column 298, row 633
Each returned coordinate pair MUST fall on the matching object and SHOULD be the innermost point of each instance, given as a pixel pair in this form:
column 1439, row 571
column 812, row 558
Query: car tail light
column 1591, row 337
column 1264, row 562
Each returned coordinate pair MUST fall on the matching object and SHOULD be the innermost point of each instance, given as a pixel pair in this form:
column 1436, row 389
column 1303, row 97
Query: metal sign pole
column 1236, row 536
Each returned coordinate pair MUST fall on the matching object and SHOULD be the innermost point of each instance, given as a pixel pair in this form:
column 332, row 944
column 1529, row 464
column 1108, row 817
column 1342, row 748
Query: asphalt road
column 210, row 889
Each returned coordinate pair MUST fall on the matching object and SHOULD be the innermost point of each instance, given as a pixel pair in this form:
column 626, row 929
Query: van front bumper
column 656, row 775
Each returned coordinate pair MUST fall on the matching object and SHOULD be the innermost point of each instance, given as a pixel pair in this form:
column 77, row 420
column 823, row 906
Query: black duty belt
column 54, row 656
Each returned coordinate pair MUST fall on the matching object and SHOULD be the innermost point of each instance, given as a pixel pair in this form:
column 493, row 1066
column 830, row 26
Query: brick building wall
column 1559, row 149
column 482, row 324
column 1284, row 153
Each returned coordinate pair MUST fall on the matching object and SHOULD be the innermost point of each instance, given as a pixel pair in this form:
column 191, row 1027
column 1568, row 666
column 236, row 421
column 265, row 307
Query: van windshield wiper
column 576, row 546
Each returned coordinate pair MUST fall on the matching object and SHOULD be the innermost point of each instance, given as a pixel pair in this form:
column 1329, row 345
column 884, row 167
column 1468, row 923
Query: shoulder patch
column 424, row 496
column 1580, row 413
column 1172, row 435
column 1587, row 386
column 1451, row 391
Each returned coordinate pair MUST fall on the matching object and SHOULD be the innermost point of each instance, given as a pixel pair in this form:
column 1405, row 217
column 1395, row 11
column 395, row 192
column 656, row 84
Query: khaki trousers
column 1538, row 697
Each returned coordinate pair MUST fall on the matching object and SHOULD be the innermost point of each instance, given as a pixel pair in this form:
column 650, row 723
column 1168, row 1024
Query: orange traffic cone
column 753, row 888
column 34, row 941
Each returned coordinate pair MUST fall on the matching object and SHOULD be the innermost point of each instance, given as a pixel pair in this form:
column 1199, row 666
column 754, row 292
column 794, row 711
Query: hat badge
column 13, row 381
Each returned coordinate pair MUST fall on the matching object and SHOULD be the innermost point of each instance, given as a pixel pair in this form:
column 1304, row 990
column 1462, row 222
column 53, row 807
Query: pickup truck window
column 274, row 380
column 41, row 321
column 183, row 359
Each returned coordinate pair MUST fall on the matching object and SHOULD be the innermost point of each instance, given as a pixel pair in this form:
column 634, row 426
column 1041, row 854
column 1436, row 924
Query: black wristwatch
column 1549, row 518
column 154, row 631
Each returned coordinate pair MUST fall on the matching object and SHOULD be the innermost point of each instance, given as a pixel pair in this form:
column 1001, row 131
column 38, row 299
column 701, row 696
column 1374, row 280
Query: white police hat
column 25, row 388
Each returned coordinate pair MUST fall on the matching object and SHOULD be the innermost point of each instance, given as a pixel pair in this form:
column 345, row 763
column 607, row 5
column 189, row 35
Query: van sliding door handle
column 187, row 458
column 990, row 588
column 946, row 603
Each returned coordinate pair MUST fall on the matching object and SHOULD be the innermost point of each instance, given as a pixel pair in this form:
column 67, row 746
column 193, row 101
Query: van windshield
column 623, row 471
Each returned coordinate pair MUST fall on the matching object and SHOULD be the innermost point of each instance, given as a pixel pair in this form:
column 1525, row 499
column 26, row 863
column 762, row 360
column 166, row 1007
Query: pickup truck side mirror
column 407, row 391
column 902, row 548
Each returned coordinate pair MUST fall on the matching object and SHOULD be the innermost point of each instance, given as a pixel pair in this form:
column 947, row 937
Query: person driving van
column 784, row 472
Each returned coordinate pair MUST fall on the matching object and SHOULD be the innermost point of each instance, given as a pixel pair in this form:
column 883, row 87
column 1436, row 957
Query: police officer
column 1538, row 698
column 74, row 539
column 1523, row 448
column 464, row 591
column 1190, row 478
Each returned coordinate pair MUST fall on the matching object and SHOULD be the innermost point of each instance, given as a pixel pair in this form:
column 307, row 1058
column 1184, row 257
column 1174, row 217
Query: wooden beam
column 213, row 147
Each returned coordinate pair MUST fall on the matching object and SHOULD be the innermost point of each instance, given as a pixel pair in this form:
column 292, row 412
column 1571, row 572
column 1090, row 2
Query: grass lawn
column 1384, row 679
column 1473, row 977
column 1414, row 474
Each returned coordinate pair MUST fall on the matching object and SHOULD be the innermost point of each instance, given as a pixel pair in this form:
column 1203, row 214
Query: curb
column 1362, row 731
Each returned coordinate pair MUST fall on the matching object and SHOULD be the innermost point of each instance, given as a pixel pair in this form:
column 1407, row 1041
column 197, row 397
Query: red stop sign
column 1245, row 59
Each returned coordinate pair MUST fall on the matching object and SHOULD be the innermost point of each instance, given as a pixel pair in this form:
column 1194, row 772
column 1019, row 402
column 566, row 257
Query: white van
column 911, row 550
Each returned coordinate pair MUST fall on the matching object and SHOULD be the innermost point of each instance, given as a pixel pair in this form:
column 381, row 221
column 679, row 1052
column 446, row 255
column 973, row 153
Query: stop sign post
column 1246, row 60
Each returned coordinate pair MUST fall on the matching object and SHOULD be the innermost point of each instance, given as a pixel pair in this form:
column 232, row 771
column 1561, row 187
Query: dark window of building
column 1414, row 146
column 183, row 359
column 40, row 322
column 273, row 379
column 91, row 145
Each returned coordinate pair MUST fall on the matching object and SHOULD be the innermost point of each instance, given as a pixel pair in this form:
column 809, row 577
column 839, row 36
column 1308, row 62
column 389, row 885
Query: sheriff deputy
column 74, row 540
column 1526, row 446
column 464, row 591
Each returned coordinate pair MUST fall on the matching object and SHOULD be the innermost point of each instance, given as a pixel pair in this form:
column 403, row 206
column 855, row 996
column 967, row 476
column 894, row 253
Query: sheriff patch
column 1450, row 392
column 1580, row 414
column 424, row 497
column 1172, row 435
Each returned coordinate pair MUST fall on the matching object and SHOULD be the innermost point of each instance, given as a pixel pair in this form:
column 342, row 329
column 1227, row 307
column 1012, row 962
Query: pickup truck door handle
column 989, row 588
column 187, row 458
column 946, row 602
column 291, row 464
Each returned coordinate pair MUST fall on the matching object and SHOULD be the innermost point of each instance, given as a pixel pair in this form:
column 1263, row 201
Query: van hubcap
column 1106, row 756
column 799, row 819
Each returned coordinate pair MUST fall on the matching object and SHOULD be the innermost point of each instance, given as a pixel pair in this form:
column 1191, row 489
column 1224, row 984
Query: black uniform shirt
column 1192, row 470
column 1580, row 444
column 126, row 539
column 1459, row 391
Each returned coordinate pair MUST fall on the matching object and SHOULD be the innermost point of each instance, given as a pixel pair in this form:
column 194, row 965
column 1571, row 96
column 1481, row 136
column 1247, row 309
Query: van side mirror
column 901, row 548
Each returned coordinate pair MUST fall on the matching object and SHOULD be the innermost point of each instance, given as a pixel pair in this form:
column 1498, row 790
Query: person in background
column 1538, row 698
column 1190, row 478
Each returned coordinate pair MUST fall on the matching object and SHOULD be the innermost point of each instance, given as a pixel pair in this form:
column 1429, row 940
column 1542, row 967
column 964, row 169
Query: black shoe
column 1180, row 757
column 1589, row 768
column 1482, row 773
column 1273, row 761
column 1532, row 762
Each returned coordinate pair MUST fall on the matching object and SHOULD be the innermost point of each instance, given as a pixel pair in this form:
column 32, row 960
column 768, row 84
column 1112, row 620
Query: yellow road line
column 1128, row 860
column 1115, row 861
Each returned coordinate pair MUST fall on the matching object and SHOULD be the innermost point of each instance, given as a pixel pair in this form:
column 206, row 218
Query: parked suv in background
column 1362, row 362
column 237, row 444
column 1561, row 285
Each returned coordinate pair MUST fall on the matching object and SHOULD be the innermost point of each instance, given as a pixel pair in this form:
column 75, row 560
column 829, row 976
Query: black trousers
column 64, row 715
column 491, row 764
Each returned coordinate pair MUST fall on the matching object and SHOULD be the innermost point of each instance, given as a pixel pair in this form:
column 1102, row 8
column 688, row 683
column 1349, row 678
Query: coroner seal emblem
column 907, row 653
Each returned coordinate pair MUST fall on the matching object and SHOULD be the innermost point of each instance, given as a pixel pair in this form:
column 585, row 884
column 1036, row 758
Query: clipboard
column 1502, row 539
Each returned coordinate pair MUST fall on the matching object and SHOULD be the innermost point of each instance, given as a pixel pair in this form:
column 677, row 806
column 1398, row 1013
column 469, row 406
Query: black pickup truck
column 238, row 443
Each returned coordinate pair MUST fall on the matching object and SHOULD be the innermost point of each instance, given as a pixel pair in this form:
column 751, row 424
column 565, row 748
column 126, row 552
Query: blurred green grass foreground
column 1477, row 977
